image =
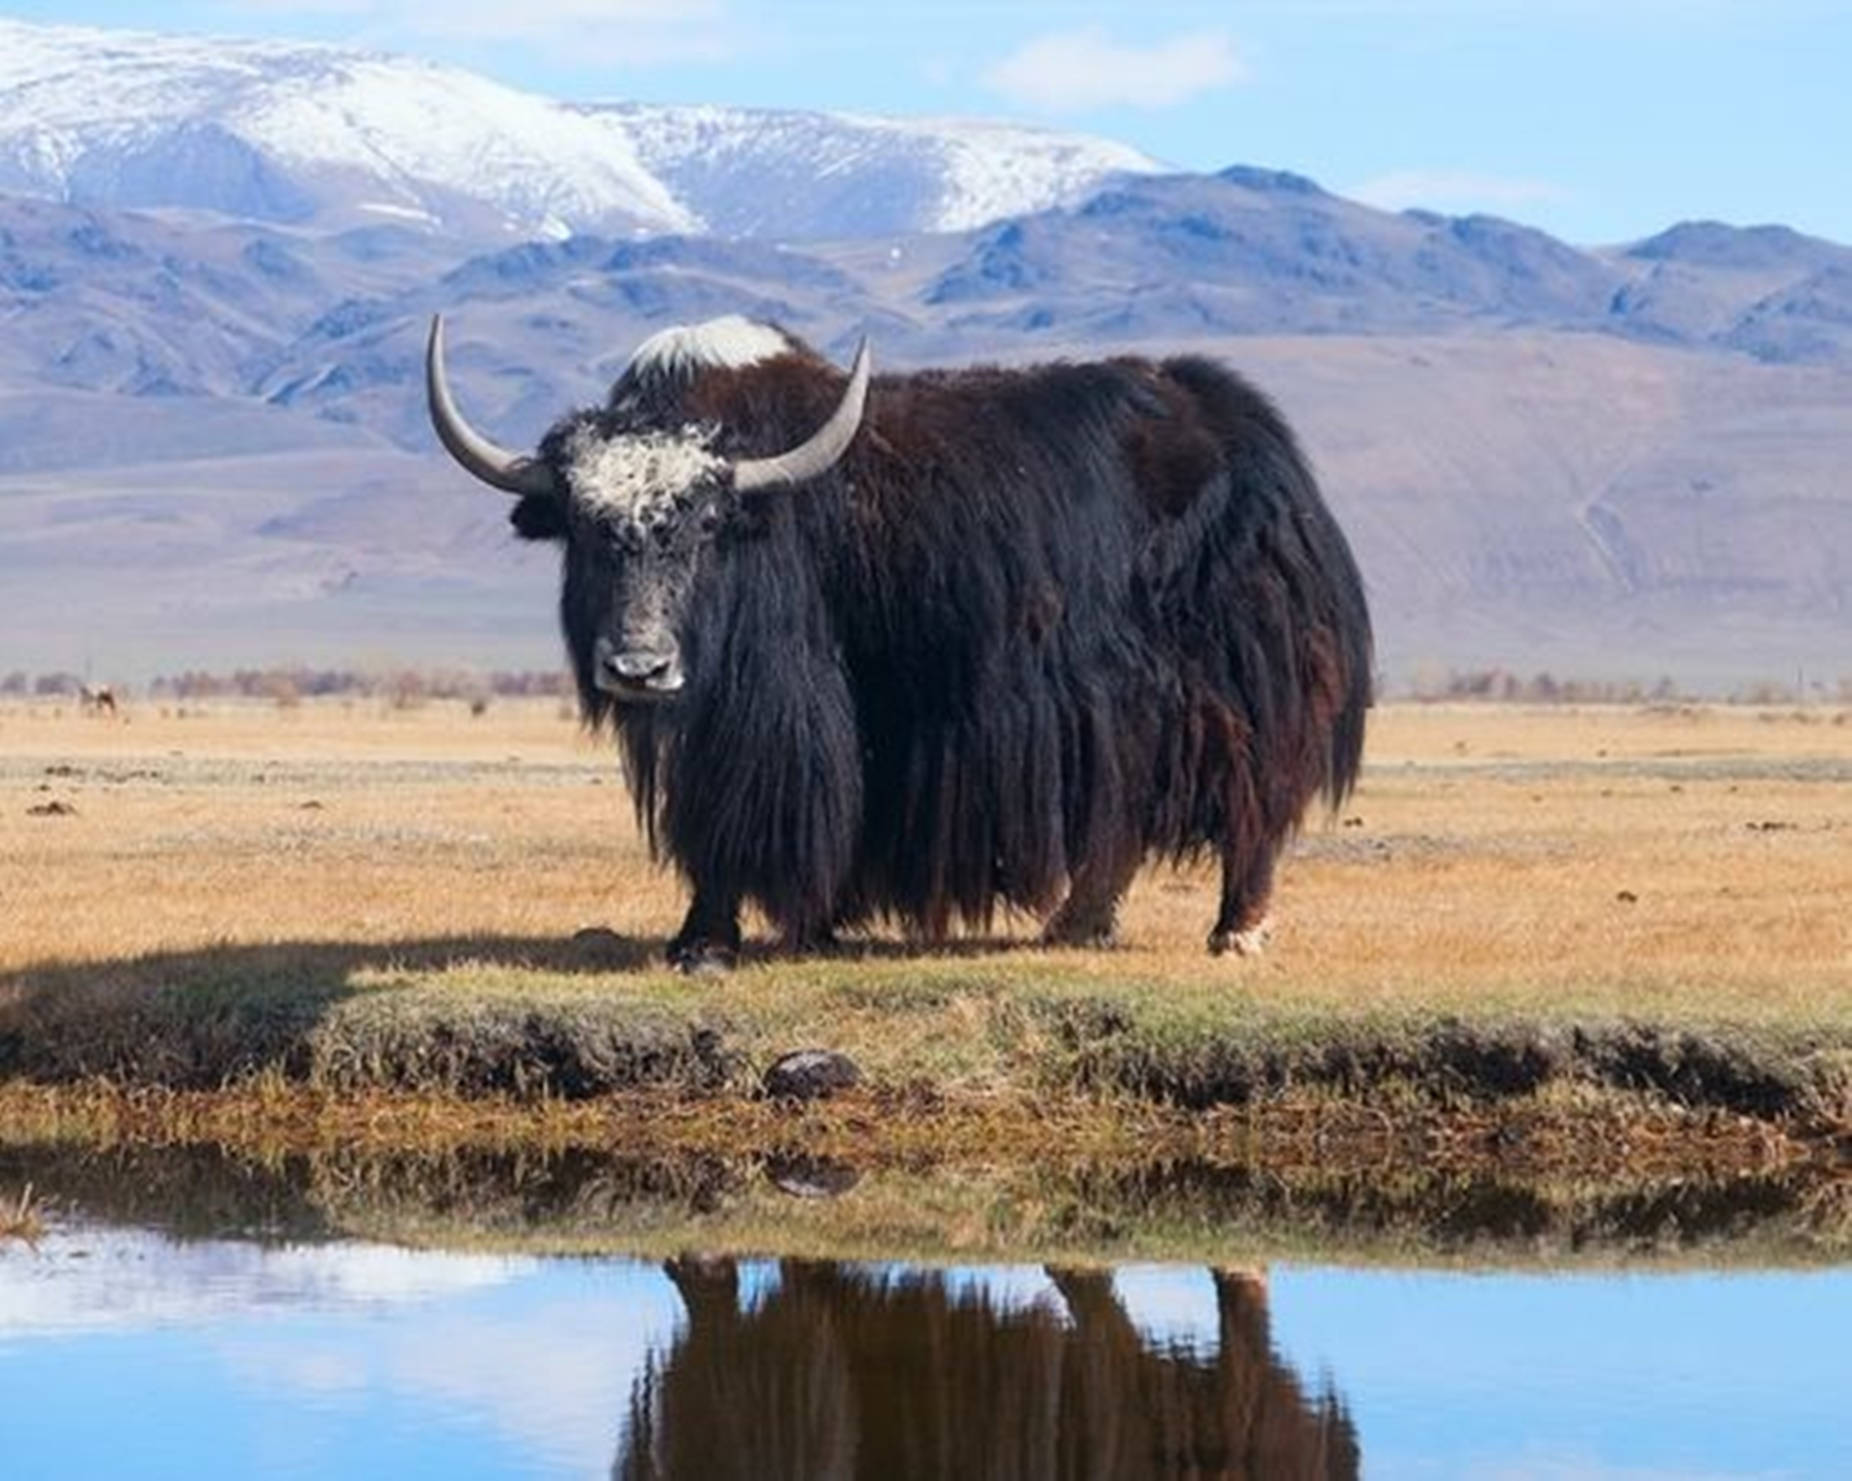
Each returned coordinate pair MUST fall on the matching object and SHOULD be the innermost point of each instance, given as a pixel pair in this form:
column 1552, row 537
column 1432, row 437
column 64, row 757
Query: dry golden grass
column 19, row 1216
column 364, row 898
column 1671, row 861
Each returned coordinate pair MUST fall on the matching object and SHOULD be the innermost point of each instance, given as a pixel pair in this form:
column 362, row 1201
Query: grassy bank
column 1532, row 933
column 537, row 1021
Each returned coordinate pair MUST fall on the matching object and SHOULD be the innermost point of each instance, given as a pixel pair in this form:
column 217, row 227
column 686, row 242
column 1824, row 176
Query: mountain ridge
column 1621, row 461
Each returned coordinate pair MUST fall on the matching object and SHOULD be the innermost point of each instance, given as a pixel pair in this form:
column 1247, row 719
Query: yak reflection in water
column 846, row 1371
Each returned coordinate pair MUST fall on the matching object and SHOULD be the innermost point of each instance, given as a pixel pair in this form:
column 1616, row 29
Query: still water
column 129, row 1351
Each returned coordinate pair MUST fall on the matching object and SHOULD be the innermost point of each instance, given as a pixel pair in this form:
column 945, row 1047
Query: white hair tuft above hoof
column 1250, row 942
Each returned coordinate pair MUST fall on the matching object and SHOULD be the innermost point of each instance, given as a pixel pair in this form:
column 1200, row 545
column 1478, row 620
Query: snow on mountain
column 325, row 136
column 784, row 174
column 288, row 132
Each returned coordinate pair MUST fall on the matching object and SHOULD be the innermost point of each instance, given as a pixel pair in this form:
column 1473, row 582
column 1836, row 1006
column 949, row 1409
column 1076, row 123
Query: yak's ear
column 539, row 517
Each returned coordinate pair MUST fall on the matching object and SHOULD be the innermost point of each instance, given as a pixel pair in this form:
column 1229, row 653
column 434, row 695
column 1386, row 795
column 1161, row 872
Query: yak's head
column 639, row 506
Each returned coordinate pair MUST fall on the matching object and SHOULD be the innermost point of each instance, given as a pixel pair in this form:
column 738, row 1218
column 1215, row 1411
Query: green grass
column 483, row 1019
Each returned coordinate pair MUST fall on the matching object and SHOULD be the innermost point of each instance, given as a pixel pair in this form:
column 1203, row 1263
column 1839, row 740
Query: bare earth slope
column 1573, row 503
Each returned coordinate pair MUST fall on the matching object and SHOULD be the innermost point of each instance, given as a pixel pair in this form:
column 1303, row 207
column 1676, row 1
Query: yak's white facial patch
column 731, row 341
column 638, row 476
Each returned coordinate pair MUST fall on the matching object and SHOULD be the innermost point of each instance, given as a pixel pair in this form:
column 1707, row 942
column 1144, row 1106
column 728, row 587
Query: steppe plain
column 371, row 899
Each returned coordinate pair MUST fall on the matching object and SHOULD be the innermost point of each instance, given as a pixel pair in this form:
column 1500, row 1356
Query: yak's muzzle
column 636, row 673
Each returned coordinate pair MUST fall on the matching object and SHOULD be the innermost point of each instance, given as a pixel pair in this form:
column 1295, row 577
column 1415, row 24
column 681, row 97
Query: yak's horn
column 513, row 473
column 825, row 446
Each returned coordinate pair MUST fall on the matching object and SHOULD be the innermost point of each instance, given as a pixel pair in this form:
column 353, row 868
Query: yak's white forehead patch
column 730, row 341
column 637, row 475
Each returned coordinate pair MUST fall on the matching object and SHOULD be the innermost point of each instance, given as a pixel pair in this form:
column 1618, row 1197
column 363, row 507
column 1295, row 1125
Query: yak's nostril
column 631, row 672
column 639, row 667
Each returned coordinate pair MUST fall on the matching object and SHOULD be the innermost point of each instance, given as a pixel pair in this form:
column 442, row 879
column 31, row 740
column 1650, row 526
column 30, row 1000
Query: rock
column 53, row 809
column 811, row 1177
column 811, row 1074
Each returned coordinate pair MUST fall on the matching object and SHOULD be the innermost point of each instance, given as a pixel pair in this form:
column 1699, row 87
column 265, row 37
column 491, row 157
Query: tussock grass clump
column 19, row 1216
column 1184, row 1055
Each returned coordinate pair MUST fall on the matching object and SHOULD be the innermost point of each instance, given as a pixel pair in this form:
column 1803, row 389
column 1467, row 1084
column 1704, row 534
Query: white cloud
column 1072, row 71
column 1455, row 190
column 134, row 1279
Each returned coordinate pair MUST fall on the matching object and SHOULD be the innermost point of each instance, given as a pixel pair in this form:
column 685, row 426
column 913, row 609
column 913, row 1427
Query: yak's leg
column 1243, row 926
column 709, row 939
column 1241, row 1305
column 1090, row 914
column 708, row 1285
column 1093, row 1304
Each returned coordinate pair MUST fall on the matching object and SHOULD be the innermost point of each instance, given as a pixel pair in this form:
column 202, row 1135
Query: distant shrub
column 405, row 690
column 399, row 688
column 1766, row 692
column 1497, row 684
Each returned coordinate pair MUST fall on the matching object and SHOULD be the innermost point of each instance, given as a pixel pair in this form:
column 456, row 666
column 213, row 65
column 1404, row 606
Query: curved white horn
column 825, row 446
column 513, row 473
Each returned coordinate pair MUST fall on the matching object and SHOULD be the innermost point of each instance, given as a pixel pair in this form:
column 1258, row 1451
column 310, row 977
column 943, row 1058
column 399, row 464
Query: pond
column 131, row 1350
column 189, row 1311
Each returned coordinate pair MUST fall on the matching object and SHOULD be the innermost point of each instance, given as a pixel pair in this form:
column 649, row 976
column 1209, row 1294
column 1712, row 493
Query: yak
column 913, row 647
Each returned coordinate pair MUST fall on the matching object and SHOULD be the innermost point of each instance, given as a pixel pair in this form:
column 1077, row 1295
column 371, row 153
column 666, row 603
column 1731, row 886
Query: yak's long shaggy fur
column 1034, row 626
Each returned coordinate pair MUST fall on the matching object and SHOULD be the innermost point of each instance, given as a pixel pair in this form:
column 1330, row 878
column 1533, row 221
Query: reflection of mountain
column 840, row 1371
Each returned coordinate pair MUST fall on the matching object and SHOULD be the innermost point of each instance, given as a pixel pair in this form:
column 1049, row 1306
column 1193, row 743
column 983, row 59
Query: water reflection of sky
column 218, row 1358
column 1637, row 1376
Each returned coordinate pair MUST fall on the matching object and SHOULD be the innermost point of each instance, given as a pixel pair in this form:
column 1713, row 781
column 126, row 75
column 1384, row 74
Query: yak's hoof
column 703, row 958
column 1249, row 941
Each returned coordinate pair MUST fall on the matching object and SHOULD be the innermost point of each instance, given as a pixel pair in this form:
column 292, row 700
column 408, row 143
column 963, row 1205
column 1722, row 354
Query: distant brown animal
column 98, row 699
column 848, row 1371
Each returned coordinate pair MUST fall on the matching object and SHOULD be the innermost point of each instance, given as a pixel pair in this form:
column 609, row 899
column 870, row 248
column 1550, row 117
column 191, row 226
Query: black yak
column 846, row 1371
column 914, row 646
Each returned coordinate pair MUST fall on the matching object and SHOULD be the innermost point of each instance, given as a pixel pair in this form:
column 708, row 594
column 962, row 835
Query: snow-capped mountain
column 787, row 174
column 331, row 137
column 293, row 133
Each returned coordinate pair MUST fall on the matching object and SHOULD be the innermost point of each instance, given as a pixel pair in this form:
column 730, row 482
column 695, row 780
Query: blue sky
column 1600, row 120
